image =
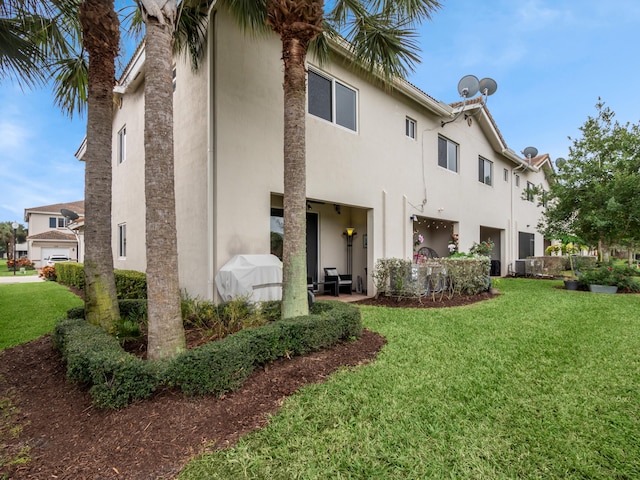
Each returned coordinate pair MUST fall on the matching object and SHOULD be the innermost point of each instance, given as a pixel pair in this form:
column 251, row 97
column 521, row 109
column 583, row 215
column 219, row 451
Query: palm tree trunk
column 294, row 292
column 101, row 36
column 166, row 331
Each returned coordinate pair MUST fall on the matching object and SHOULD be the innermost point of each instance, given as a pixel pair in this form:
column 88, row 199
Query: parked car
column 53, row 259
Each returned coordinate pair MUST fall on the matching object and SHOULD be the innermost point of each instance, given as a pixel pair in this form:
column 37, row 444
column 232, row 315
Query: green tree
column 380, row 35
column 595, row 193
column 6, row 237
column 54, row 38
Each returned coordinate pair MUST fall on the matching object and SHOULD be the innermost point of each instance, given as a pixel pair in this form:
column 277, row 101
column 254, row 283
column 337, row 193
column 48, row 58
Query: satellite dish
column 468, row 86
column 560, row 162
column 530, row 152
column 71, row 215
column 488, row 86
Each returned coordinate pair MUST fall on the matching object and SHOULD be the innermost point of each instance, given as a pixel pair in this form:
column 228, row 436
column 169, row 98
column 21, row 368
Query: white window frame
column 517, row 180
column 410, row 127
column 335, row 82
column 449, row 144
column 483, row 179
column 122, row 240
column 506, row 175
column 122, row 144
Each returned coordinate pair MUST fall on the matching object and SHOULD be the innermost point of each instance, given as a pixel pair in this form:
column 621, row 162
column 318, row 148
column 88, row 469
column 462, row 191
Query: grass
column 5, row 272
column 537, row 383
column 29, row 310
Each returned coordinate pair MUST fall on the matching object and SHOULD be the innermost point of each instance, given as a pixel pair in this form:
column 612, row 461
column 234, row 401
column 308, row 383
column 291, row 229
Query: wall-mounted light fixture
column 413, row 218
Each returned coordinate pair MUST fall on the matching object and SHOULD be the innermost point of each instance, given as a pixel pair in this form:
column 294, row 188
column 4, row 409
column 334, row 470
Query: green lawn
column 29, row 310
column 5, row 272
column 538, row 383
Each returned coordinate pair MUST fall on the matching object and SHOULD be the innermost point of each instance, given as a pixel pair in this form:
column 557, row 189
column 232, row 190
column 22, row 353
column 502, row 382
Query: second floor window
column 122, row 144
column 530, row 191
column 447, row 154
column 410, row 127
column 485, row 171
column 57, row 222
column 333, row 101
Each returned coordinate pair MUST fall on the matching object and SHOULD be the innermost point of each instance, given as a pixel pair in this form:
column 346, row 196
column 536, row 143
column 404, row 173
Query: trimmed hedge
column 130, row 284
column 117, row 378
column 469, row 276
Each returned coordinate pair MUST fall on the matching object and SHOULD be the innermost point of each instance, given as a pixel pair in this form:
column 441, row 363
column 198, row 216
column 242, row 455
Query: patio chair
column 344, row 282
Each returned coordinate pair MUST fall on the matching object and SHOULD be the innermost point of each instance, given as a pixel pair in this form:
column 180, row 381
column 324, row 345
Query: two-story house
column 51, row 233
column 379, row 160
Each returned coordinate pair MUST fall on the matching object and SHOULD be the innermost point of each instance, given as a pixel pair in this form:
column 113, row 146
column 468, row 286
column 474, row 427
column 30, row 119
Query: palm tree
column 101, row 38
column 48, row 38
column 165, row 332
column 380, row 35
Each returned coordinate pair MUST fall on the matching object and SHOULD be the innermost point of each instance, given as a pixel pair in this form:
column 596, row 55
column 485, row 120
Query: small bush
column 22, row 262
column 469, row 276
column 70, row 273
column 48, row 273
column 131, row 284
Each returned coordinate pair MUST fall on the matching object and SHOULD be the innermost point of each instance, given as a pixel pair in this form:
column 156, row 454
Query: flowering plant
column 483, row 248
column 453, row 244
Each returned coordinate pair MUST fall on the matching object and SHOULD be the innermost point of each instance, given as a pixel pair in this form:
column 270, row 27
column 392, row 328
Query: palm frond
column 251, row 15
column 70, row 84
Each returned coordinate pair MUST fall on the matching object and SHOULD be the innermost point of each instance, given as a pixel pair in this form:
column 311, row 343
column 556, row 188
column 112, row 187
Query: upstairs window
column 410, row 127
column 506, row 175
column 331, row 100
column 517, row 180
column 57, row 222
column 447, row 154
column 485, row 171
column 122, row 144
column 530, row 191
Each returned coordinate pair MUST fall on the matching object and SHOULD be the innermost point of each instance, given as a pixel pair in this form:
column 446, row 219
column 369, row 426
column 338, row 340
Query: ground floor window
column 122, row 240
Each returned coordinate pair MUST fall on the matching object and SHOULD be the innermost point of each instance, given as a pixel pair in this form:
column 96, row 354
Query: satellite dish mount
column 468, row 87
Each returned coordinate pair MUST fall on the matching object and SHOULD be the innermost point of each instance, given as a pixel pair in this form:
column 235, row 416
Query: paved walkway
column 20, row 279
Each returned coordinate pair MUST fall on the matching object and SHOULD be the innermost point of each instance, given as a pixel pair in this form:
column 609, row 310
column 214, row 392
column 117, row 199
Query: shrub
column 460, row 273
column 469, row 276
column 620, row 276
column 22, row 262
column 48, row 273
column 131, row 284
column 95, row 358
column 117, row 378
column 70, row 273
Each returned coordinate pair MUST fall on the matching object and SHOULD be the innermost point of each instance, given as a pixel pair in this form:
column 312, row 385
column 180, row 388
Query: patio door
column 277, row 233
column 526, row 245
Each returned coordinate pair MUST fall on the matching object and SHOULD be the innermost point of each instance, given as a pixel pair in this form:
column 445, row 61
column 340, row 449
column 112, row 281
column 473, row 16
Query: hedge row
column 130, row 284
column 469, row 276
column 117, row 378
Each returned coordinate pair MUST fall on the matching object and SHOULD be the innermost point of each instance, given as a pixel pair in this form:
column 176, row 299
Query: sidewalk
column 17, row 278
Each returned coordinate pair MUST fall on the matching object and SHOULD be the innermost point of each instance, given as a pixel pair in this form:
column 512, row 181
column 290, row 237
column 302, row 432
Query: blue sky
column 551, row 60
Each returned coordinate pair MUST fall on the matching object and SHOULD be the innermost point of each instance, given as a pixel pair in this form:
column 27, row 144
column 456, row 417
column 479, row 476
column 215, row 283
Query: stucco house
column 380, row 161
column 51, row 233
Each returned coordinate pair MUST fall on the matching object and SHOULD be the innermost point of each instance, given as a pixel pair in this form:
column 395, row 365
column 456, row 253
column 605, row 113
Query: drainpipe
column 211, row 160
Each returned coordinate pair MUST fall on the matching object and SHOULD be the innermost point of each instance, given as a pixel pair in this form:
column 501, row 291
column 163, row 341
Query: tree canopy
column 595, row 193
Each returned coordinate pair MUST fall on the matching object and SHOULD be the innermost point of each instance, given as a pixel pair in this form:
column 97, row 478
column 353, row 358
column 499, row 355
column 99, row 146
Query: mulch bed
column 70, row 439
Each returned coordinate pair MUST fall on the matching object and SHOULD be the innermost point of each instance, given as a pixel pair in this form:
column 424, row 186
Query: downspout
column 211, row 159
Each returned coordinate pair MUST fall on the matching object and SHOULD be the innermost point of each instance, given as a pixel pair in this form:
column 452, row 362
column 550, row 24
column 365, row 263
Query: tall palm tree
column 380, row 34
column 101, row 38
column 165, row 332
column 51, row 38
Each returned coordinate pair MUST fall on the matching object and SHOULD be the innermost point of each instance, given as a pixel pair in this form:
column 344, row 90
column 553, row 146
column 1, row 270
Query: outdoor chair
column 344, row 282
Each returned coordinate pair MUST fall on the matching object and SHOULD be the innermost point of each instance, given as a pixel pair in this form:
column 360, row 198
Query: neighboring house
column 377, row 160
column 51, row 233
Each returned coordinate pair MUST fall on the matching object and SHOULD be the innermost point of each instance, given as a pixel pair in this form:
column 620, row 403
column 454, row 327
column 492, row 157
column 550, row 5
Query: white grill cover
column 258, row 277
